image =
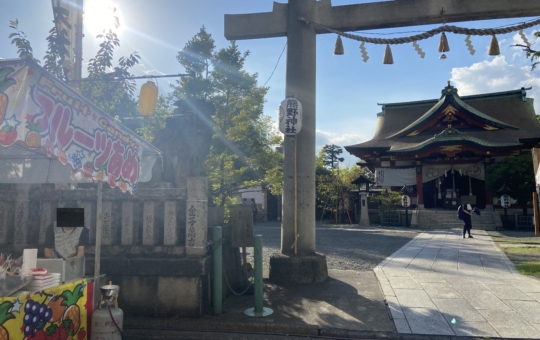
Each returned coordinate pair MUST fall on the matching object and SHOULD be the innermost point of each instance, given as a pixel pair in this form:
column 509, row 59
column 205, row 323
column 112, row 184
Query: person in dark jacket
column 254, row 210
column 467, row 215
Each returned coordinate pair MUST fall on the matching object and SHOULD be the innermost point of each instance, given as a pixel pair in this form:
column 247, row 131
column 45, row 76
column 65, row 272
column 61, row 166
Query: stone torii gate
column 300, row 83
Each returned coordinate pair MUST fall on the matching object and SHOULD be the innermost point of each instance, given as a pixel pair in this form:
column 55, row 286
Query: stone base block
column 295, row 270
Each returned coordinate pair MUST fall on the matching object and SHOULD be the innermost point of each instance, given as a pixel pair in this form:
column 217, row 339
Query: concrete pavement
column 435, row 286
column 440, row 283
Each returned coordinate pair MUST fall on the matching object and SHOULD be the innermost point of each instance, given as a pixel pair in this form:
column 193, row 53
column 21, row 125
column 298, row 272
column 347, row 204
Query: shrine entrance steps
column 447, row 219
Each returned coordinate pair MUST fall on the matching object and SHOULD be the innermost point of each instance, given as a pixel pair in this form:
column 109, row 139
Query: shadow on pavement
column 347, row 300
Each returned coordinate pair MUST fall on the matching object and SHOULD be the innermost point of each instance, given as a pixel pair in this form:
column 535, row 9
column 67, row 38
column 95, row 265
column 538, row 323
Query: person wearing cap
column 65, row 242
column 467, row 214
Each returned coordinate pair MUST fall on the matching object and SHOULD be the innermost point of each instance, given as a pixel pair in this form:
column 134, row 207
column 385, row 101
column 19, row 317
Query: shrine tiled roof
column 506, row 119
column 450, row 136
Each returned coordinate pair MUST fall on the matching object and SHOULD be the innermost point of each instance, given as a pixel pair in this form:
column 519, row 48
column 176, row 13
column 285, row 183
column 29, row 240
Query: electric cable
column 275, row 67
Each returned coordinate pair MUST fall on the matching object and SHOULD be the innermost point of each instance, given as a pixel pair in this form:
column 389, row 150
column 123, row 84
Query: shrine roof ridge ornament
column 521, row 92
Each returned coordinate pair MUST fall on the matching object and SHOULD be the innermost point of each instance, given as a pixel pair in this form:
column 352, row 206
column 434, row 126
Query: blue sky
column 348, row 89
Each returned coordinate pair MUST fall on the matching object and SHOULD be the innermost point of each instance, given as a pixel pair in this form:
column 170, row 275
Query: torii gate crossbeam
column 301, row 80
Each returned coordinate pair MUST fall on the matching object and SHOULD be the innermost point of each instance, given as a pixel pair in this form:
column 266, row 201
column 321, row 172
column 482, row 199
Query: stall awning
column 51, row 134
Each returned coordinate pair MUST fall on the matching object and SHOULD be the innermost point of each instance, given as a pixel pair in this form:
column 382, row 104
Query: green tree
column 518, row 174
column 57, row 51
column 117, row 98
column 331, row 155
column 196, row 58
column 241, row 154
column 390, row 200
column 24, row 48
column 333, row 185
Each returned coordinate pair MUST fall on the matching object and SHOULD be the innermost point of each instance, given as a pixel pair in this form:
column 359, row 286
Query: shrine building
column 440, row 149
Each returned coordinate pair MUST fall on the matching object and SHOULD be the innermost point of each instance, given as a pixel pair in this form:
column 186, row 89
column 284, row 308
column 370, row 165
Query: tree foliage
column 241, row 154
column 518, row 174
column 57, row 51
column 333, row 184
column 116, row 98
column 331, row 155
column 24, row 48
column 390, row 200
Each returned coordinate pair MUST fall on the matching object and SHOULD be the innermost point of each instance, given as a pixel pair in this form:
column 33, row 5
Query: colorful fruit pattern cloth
column 61, row 312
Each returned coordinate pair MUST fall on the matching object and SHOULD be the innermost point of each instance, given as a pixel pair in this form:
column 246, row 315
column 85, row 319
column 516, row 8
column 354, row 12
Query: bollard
column 218, row 270
column 258, row 310
column 258, row 289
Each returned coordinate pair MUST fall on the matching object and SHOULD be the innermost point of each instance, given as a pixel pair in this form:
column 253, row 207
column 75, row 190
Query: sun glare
column 101, row 15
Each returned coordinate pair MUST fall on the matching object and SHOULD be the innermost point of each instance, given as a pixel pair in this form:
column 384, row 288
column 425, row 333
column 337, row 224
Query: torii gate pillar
column 306, row 266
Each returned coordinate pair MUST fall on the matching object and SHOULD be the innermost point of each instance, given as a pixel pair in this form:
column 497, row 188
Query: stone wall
column 154, row 244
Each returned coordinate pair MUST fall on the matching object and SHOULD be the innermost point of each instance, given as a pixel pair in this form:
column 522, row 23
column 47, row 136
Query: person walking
column 467, row 218
column 254, row 209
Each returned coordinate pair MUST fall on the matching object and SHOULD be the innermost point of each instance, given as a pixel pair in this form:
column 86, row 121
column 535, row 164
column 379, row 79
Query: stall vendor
column 65, row 242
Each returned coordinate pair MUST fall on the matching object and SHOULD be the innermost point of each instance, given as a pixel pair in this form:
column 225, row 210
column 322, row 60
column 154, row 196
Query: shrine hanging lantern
column 290, row 116
column 148, row 99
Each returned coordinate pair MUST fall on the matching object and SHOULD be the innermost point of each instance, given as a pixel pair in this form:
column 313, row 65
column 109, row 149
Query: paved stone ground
column 442, row 284
column 346, row 247
column 435, row 284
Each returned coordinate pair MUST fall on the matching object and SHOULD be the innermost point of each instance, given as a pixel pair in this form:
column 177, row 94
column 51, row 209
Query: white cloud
column 346, row 138
column 497, row 75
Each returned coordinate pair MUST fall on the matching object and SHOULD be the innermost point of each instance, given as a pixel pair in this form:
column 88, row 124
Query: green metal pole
column 258, row 274
column 258, row 310
column 218, row 271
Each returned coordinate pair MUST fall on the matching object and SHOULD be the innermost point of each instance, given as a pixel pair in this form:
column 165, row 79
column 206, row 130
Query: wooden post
column 419, row 186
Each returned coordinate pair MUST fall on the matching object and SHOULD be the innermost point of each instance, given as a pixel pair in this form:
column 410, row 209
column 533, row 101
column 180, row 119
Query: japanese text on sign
column 405, row 201
column 290, row 116
column 192, row 233
column 505, row 201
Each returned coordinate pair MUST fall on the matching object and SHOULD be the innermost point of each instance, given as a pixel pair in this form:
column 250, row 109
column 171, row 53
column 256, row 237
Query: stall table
column 60, row 312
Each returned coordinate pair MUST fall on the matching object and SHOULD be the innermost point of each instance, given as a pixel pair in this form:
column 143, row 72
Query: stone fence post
column 196, row 216
column 22, row 205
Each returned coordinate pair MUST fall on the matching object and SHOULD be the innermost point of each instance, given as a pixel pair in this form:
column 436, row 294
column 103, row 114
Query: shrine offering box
column 69, row 269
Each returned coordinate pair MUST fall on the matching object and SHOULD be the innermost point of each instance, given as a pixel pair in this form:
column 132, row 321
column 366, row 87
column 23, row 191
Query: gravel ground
column 345, row 249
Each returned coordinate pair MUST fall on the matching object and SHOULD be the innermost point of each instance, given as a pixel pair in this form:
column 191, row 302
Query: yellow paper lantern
column 148, row 99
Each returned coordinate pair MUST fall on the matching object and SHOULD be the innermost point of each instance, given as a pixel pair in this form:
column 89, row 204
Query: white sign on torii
column 300, row 79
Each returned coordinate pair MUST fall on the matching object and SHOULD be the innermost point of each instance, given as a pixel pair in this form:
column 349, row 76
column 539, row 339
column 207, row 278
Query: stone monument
column 185, row 142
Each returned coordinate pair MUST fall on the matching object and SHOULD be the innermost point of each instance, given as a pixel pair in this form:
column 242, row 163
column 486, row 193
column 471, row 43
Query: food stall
column 49, row 133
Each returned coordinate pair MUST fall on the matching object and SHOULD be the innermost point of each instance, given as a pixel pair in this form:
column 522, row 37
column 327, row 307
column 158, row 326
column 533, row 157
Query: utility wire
column 276, row 65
